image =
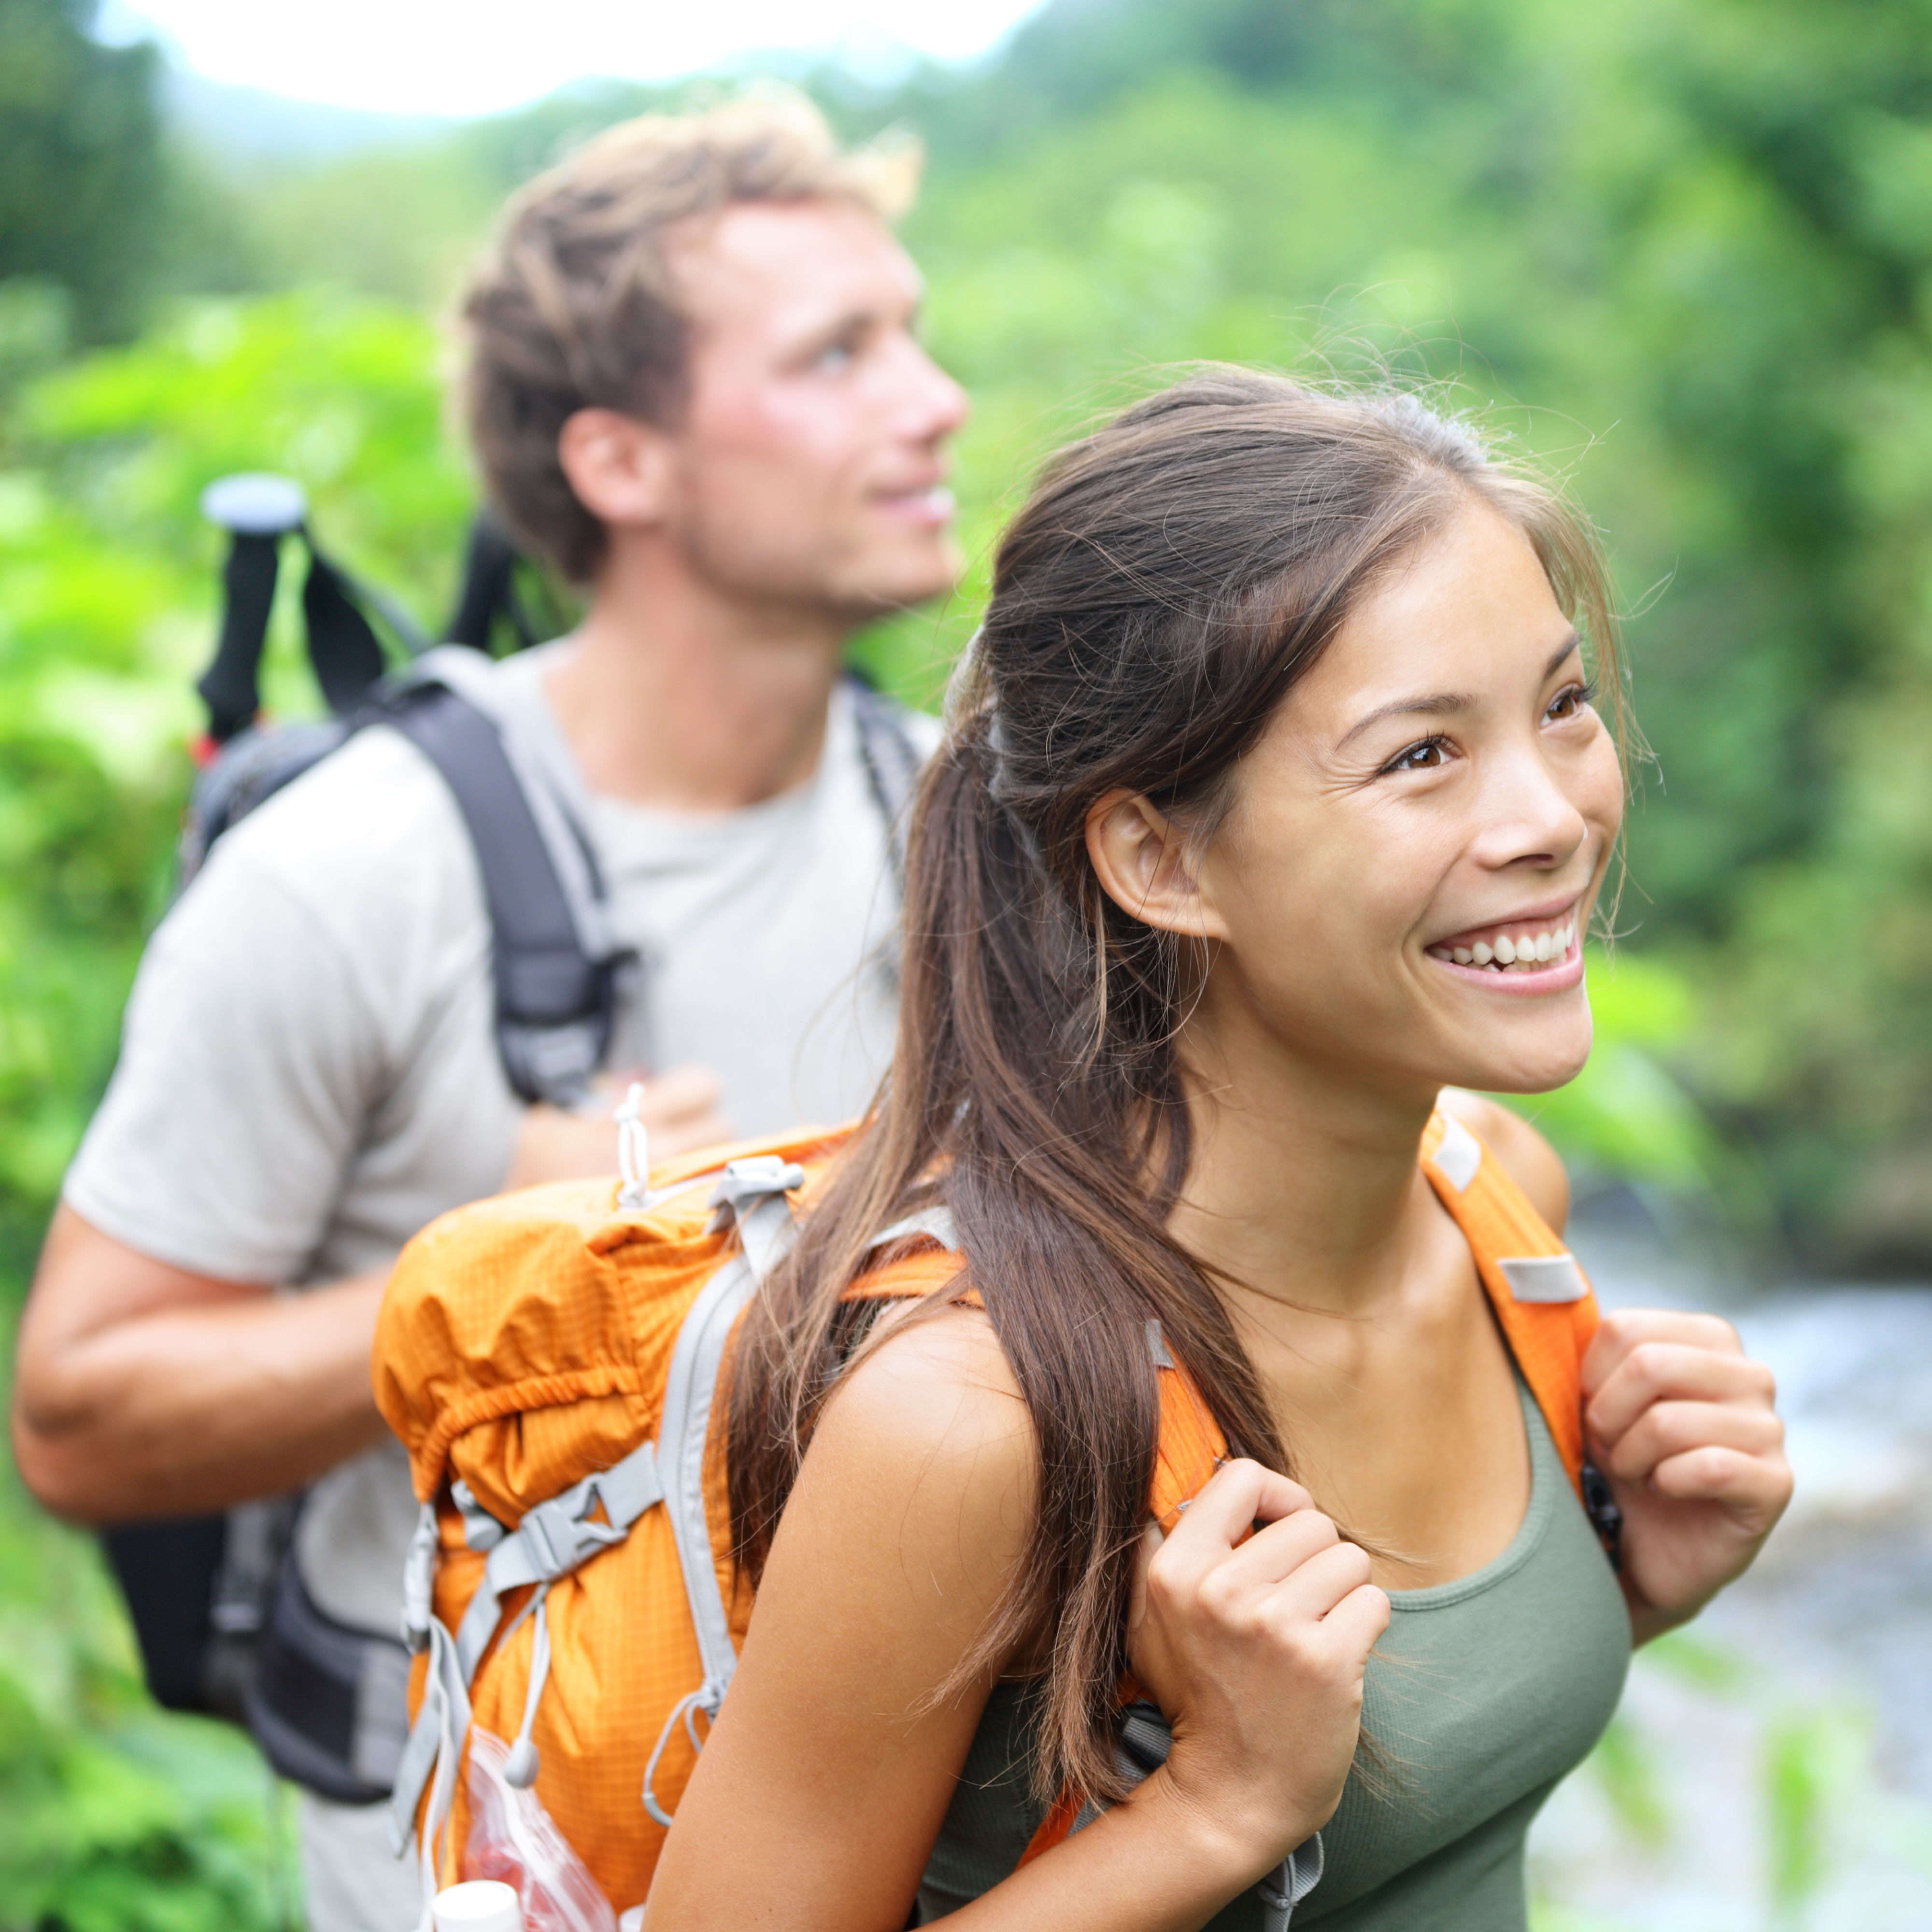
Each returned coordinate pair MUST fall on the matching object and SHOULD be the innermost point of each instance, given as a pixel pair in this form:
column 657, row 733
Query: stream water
column 1772, row 1766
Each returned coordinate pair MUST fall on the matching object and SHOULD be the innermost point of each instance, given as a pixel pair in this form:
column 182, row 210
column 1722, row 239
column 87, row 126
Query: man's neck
column 676, row 697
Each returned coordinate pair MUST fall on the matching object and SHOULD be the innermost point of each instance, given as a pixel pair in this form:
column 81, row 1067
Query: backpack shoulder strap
column 1191, row 1447
column 1542, row 1303
column 555, row 1004
column 893, row 762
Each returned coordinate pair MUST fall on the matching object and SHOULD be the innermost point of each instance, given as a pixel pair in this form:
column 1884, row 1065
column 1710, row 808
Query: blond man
column 693, row 388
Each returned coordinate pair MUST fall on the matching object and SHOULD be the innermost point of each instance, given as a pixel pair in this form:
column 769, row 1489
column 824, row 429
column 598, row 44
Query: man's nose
column 937, row 405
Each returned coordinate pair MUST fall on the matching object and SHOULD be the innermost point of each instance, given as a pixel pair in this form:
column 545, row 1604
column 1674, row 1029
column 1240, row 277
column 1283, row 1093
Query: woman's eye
column 834, row 357
column 1422, row 757
column 1569, row 702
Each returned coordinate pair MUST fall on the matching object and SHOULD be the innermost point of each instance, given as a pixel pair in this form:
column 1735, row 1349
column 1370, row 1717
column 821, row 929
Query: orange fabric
column 1548, row 1338
column 524, row 1343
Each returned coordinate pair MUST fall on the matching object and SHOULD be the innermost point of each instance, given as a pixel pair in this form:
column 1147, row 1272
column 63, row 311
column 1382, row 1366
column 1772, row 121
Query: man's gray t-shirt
column 308, row 1071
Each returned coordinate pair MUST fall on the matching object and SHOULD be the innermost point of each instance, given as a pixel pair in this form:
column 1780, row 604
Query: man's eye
column 834, row 357
column 1422, row 757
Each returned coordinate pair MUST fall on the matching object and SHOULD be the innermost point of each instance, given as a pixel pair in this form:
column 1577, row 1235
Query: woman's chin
column 1532, row 1066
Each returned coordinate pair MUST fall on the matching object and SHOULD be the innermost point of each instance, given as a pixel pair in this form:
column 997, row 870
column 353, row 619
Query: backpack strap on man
column 893, row 761
column 555, row 1005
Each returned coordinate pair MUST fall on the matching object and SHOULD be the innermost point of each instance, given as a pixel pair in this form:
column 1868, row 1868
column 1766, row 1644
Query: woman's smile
column 1527, row 953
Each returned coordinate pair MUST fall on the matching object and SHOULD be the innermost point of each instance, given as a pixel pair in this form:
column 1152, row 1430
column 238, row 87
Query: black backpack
column 225, row 1624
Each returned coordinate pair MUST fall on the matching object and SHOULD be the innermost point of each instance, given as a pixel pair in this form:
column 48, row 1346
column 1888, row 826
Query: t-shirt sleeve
column 249, row 1063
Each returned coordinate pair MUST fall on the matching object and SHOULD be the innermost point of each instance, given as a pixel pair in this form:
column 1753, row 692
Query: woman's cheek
column 1602, row 803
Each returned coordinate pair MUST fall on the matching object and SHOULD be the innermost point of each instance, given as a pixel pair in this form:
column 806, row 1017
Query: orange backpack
column 549, row 1359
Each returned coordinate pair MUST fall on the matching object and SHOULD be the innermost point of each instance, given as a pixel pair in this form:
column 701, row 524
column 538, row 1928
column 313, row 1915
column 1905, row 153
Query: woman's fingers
column 1660, row 1369
column 1317, row 1587
column 1742, row 1481
column 1357, row 1622
column 1623, row 1330
column 1671, row 1428
column 1241, row 1494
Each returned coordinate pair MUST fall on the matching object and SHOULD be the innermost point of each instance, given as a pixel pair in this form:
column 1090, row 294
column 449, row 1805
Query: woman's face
column 1401, row 887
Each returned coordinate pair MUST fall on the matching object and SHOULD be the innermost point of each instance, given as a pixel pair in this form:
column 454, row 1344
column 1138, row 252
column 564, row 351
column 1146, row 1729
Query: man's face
column 807, row 468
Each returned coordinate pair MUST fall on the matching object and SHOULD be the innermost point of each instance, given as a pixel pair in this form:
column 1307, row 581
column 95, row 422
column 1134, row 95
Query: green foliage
column 114, row 1817
column 1682, row 254
column 1626, row 1116
column 81, row 191
column 1822, row 1843
column 107, row 592
column 1625, row 1763
column 1798, row 1755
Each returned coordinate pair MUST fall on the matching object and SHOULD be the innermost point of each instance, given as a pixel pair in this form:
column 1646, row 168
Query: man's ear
column 1139, row 855
column 619, row 467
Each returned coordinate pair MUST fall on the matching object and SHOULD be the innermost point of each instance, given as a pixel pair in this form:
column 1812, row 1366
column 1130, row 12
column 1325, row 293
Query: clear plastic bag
column 513, row 1838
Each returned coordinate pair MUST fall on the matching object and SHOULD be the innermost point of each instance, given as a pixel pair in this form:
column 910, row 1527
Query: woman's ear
column 1139, row 855
column 618, row 467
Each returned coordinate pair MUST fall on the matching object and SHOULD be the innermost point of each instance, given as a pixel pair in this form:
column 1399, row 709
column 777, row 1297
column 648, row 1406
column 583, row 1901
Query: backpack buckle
column 751, row 1198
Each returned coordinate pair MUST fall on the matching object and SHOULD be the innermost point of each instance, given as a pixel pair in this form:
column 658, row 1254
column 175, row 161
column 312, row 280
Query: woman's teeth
column 1519, row 951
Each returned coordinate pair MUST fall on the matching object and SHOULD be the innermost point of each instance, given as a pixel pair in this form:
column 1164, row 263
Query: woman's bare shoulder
column 930, row 1425
column 1534, row 1165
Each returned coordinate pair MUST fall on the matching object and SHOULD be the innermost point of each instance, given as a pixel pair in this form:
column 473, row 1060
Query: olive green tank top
column 1482, row 1695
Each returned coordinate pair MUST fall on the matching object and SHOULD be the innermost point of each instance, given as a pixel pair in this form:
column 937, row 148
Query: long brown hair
column 1171, row 577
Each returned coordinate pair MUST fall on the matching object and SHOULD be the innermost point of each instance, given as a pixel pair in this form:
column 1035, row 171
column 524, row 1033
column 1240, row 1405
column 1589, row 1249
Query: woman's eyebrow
column 1446, row 704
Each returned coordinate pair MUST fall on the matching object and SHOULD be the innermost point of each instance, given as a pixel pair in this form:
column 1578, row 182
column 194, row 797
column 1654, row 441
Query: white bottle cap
column 480, row 1905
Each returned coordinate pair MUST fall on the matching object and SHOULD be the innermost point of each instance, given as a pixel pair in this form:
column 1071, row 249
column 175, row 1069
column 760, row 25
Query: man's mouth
column 932, row 505
column 1513, row 945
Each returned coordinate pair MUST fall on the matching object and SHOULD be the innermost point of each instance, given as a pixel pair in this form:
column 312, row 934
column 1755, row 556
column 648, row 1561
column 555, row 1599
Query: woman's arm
column 818, row 1798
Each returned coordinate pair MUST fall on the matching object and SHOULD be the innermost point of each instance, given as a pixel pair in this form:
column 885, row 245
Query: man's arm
column 144, row 1389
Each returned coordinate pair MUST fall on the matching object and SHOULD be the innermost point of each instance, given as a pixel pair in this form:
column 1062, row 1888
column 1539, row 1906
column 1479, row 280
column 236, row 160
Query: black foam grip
column 231, row 685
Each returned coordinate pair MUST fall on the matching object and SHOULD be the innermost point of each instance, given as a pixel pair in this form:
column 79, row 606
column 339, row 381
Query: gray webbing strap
column 555, row 1003
column 936, row 1223
column 751, row 1194
column 556, row 1537
column 1289, row 1883
column 434, row 1742
column 553, row 1539
column 481, row 1530
column 893, row 764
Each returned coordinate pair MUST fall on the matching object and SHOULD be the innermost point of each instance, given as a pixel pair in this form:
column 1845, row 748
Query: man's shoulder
column 878, row 709
column 371, row 820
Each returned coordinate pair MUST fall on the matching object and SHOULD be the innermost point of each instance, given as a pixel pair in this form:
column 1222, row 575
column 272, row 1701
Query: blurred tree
column 83, row 188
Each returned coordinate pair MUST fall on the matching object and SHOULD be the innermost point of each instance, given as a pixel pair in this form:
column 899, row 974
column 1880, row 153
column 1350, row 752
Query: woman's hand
column 1256, row 1653
column 1680, row 1420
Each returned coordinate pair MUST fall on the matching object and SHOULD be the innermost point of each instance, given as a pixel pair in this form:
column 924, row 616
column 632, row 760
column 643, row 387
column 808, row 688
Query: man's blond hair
column 575, row 306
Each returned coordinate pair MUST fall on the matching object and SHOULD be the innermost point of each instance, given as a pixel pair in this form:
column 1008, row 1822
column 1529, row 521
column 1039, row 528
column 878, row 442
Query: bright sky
column 479, row 56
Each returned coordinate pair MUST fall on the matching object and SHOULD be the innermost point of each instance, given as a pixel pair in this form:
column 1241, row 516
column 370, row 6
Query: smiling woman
column 1280, row 703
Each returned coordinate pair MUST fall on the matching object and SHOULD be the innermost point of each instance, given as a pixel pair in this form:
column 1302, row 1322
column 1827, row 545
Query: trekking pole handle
column 257, row 510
